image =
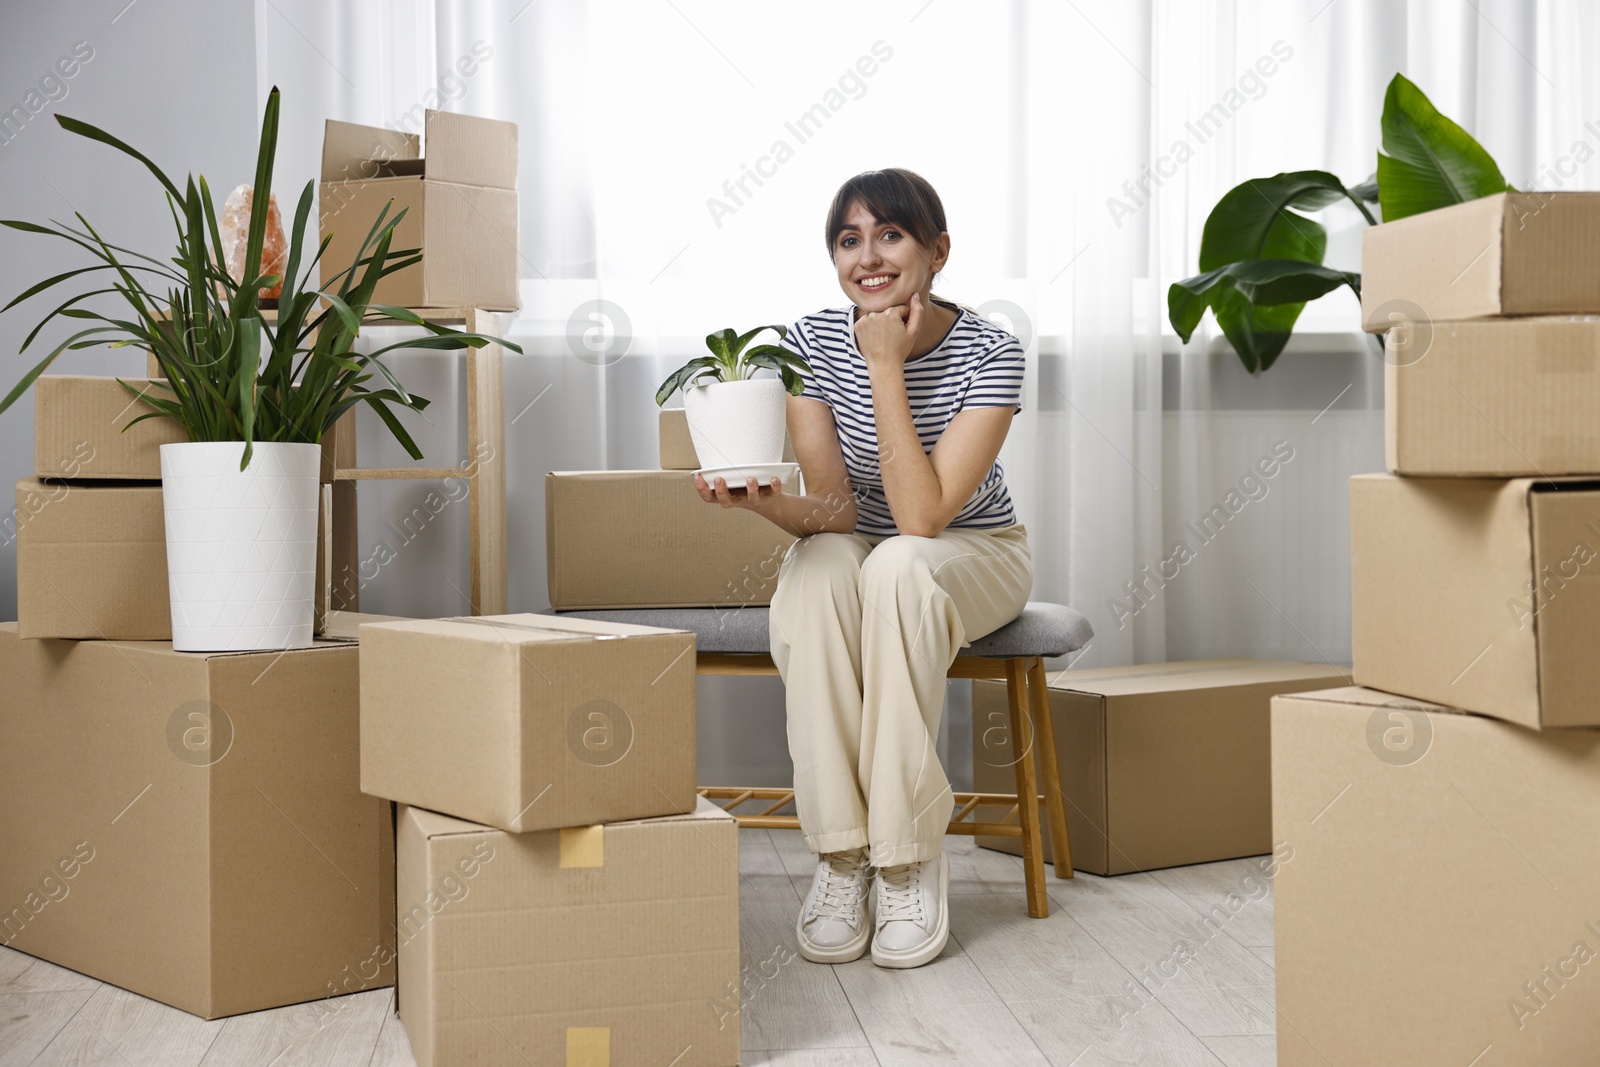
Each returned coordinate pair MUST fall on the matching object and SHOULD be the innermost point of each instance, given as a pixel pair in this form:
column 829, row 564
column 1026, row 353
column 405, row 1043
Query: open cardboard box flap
column 462, row 149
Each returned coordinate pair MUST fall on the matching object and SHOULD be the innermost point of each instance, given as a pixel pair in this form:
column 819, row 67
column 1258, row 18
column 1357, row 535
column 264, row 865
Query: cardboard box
column 597, row 945
column 190, row 826
column 460, row 204
column 529, row 722
column 645, row 539
column 1436, row 890
column 78, row 429
column 1507, row 254
column 1162, row 764
column 677, row 446
column 92, row 561
column 1496, row 398
column 1481, row 594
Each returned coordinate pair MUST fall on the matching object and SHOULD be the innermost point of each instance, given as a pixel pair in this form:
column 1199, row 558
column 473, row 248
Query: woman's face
column 880, row 265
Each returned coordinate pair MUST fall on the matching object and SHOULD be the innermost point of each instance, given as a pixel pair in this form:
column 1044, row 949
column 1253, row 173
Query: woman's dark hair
column 895, row 196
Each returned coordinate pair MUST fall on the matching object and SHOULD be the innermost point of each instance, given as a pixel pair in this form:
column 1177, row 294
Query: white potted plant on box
column 737, row 421
column 254, row 394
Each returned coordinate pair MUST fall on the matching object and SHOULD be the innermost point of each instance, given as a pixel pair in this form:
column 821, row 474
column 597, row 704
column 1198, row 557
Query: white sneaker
column 833, row 926
column 913, row 920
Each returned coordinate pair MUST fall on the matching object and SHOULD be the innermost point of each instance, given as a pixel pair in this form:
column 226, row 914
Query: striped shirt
column 976, row 365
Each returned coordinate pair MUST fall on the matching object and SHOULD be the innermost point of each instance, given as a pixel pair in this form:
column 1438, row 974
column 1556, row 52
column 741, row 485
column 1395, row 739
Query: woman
column 908, row 549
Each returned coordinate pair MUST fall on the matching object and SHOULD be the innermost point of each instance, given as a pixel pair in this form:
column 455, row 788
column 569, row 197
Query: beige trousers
column 863, row 630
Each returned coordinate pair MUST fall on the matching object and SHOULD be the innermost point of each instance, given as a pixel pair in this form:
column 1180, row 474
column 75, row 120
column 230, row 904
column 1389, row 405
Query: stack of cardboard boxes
column 1441, row 898
column 91, row 538
column 190, row 826
column 187, row 826
column 563, row 894
column 90, row 532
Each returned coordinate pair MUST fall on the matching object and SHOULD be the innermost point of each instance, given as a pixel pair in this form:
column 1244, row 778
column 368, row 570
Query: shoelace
column 838, row 895
column 900, row 893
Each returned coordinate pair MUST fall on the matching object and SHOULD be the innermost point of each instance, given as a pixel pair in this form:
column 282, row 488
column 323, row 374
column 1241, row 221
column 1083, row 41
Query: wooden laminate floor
column 1171, row 967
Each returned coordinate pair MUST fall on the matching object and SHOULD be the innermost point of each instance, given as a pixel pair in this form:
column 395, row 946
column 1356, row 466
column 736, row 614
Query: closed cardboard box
column 1483, row 594
column 1494, row 398
column 677, row 446
column 615, row 944
column 1506, row 254
column 1437, row 892
column 92, row 561
column 460, row 204
column 81, row 428
column 645, row 539
column 1162, row 764
column 529, row 722
column 190, row 826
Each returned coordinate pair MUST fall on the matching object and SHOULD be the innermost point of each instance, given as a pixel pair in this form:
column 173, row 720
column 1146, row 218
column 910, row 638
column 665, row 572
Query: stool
column 735, row 640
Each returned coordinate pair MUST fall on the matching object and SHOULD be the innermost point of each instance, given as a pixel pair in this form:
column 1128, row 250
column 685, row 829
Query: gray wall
column 174, row 78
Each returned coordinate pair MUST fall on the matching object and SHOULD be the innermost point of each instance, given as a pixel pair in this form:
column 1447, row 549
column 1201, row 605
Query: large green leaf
column 1257, row 303
column 1256, row 221
column 1253, row 220
column 1431, row 162
column 1258, row 334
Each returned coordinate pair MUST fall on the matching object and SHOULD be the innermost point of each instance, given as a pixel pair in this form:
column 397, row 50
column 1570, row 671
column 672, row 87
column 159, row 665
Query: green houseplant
column 254, row 393
column 736, row 420
column 1261, row 259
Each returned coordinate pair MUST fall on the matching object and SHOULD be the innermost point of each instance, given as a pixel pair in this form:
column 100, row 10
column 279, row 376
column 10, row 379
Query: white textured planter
column 241, row 545
column 737, row 424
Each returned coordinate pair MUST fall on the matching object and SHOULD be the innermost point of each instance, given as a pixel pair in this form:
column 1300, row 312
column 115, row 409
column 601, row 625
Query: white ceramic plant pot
column 241, row 545
column 737, row 423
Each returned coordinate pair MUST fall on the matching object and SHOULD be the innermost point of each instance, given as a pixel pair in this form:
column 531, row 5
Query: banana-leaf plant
column 231, row 372
column 1261, row 256
column 729, row 362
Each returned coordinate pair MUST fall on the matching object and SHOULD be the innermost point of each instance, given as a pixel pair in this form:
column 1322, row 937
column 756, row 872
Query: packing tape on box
column 583, row 846
column 588, row 1046
column 503, row 624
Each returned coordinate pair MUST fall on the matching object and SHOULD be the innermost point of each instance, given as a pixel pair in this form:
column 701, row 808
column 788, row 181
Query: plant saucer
column 737, row 476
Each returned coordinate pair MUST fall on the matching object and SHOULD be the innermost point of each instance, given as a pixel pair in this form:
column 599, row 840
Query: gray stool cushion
column 1043, row 629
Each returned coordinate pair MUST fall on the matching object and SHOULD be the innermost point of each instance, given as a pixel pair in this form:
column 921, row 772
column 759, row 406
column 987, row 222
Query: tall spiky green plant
column 231, row 373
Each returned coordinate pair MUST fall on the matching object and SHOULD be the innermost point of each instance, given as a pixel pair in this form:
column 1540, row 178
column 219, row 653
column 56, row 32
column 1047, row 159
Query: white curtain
column 678, row 156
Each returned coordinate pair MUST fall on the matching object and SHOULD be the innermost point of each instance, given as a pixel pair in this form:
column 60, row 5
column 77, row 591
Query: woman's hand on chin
column 886, row 337
column 752, row 495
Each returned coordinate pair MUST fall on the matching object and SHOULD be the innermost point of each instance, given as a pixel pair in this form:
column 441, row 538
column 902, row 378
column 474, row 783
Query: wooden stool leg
column 1022, row 740
column 1049, row 769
